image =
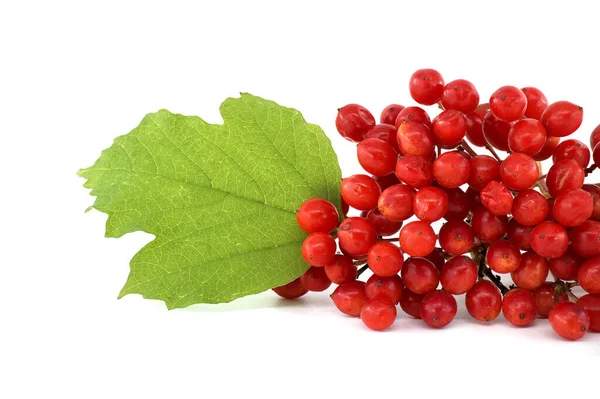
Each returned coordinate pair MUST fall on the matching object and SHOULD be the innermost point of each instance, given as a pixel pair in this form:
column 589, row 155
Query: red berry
column 360, row 192
column 536, row 102
column 519, row 171
column 458, row 204
column 415, row 139
column 356, row 236
column 548, row 149
column 483, row 169
column 388, row 288
column 420, row 275
column 503, row 257
column 572, row 149
column 384, row 132
column 487, row 226
column 411, row 303
column 564, row 176
column 426, row 86
column 527, row 136
column 595, row 137
column 518, row 307
column 519, row 234
column 496, row 131
column 396, row 202
column 317, row 215
column 451, row 169
column 350, row 297
column 458, row 275
column 389, row 113
column 591, row 304
column 376, row 156
column 565, row 267
column 437, row 257
column 456, row 237
column 387, row 180
column 341, row 270
column 596, row 154
column 415, row 171
column 412, row 114
column 291, row 290
column 585, row 239
column 532, row 271
column 573, row 207
column 353, row 122
column 569, row 320
column 438, row 309
column 318, row 249
column 378, row 314
column 430, row 204
column 449, row 128
column 496, row 198
column 588, row 275
column 475, row 128
column 530, row 208
column 595, row 192
column 417, row 238
column 315, row 279
column 508, row 103
column 546, row 297
column 562, row 118
column 549, row 239
column 385, row 259
column 382, row 225
column 460, row 95
column 484, row 301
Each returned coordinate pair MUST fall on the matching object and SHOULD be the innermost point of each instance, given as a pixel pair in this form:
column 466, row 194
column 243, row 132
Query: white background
column 75, row 75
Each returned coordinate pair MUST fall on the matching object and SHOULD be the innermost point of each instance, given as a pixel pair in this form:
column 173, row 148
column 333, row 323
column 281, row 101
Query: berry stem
column 396, row 239
column 361, row 270
column 542, row 177
column 485, row 271
column 468, row 148
column 589, row 170
column 493, row 152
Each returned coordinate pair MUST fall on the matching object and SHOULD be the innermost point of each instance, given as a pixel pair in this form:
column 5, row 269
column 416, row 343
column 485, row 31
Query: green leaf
column 220, row 199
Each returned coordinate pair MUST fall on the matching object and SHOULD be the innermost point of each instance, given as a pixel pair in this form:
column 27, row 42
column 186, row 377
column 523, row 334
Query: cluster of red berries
column 502, row 216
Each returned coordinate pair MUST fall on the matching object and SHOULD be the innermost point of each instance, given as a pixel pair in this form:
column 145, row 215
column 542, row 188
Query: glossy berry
column 318, row 249
column 458, row 204
column 341, row 269
column 496, row 198
column 291, row 290
column 456, row 237
column 591, row 304
column 518, row 307
column 417, row 238
column 475, row 127
column 562, row 118
column 356, row 236
column 536, row 102
column 483, row 169
column 396, row 202
column 378, row 314
column 458, row 275
column 508, row 103
column 420, row 275
column 564, row 176
column 596, row 154
column 585, row 239
column 414, row 170
column 449, row 128
column 353, row 122
column 546, row 297
column 415, row 139
column 503, row 257
column 565, row 267
column 573, row 207
column 430, row 204
column 426, row 86
column 527, row 136
column 487, row 226
column 388, row 288
column 569, row 320
column 595, row 192
column 530, row 207
column 315, row 279
column 411, row 303
column 437, row 257
column 360, row 192
column 532, row 271
column 385, row 132
column 484, row 301
column 519, row 234
column 438, row 309
column 385, row 259
column 376, row 156
column 549, row 239
column 588, row 275
column 382, row 225
column 389, row 113
column 572, row 149
column 460, row 95
column 496, row 131
column 548, row 149
column 518, row 172
column 451, row 169
column 413, row 114
column 317, row 215
column 387, row 180
column 350, row 297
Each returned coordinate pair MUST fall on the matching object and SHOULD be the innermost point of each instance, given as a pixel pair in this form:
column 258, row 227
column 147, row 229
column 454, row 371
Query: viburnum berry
column 588, row 275
column 530, row 208
column 458, row 275
column 426, row 86
column 496, row 198
column 317, row 215
column 438, row 308
column 389, row 288
column 411, row 303
column 503, row 257
column 318, row 249
column 420, row 275
column 573, row 207
column 378, row 314
column 456, row 237
column 519, row 171
column 291, row 290
column 475, row 127
column 430, row 204
column 437, row 257
column 376, row 156
column 569, row 320
column 389, row 113
column 482, row 170
column 460, row 95
column 536, row 102
column 548, row 149
column 385, row 132
column 341, row 269
column 417, row 238
column 591, row 304
column 315, row 279
column 385, row 259
column 413, row 114
column 564, row 176
column 585, row 239
column 356, row 236
column 595, row 137
column 449, row 128
column 546, row 297
column 487, row 226
column 572, row 149
column 451, row 169
column 549, row 239
column 386, row 181
column 353, row 121
column 415, row 139
column 532, row 271
column 519, row 234
column 562, row 118
column 458, row 204
column 565, row 267
column 414, row 170
column 382, row 225
column 396, row 202
column 360, row 192
column 508, row 103
column 527, row 136
column 350, row 297
column 484, row 301
column 595, row 192
column 496, row 131
column 519, row 308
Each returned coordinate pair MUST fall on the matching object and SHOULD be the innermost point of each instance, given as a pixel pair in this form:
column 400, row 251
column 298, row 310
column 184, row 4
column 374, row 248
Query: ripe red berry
column 519, row 234
column 318, row 249
column 415, row 171
column 426, row 86
column 484, row 301
column 569, row 320
column 411, row 303
column 548, row 149
column 585, row 239
column 388, row 288
column 595, row 137
column 496, row 198
column 317, row 215
column 396, row 202
column 596, row 154
column 387, row 180
column 591, row 304
column 530, row 208
column 341, row 269
column 496, row 131
column 532, row 271
column 420, row 275
column 564, row 176
column 458, row 275
column 417, row 238
column 356, row 236
column 350, row 297
column 291, row 290
column 385, row 132
column 572, row 149
column 503, row 257
column 519, row 171
column 385, row 259
column 518, row 307
column 438, row 309
column 536, row 102
column 413, row 114
column 437, row 257
column 378, row 314
column 565, row 266
column 353, row 122
column 451, row 169
column 562, row 118
column 475, row 127
column 415, row 139
column 483, row 169
column 456, row 237
column 389, row 113
column 546, row 297
column 487, row 226
column 458, row 204
column 360, row 192
column 527, row 136
column 588, row 275
column 430, row 204
column 315, row 279
column 595, row 192
column 376, row 156
column 549, row 240
column 573, row 207
column 508, row 103
column 449, row 128
column 460, row 95
column 382, row 225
